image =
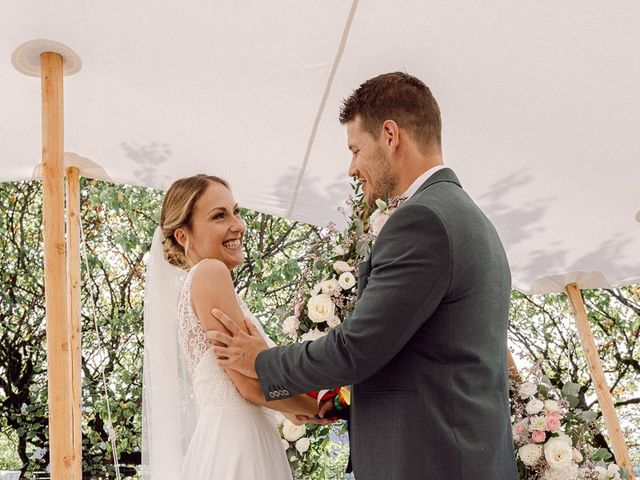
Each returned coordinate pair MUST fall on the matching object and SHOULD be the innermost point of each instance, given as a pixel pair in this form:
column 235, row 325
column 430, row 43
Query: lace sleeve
column 193, row 340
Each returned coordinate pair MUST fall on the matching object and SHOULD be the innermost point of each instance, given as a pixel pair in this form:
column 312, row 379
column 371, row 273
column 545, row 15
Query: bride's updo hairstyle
column 177, row 207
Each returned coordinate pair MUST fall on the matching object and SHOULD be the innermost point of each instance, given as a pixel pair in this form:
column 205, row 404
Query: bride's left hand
column 238, row 352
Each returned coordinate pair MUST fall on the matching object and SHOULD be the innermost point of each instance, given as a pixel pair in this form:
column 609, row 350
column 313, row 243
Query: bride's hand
column 296, row 419
column 321, row 418
column 238, row 352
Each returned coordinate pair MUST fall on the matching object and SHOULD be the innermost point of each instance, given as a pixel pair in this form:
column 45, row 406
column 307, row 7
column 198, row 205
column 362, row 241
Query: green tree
column 22, row 333
column 543, row 331
column 118, row 223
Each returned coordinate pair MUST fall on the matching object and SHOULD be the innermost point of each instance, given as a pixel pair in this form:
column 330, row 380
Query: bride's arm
column 212, row 287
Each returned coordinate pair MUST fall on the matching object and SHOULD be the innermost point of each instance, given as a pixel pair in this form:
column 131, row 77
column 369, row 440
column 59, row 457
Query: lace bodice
column 212, row 386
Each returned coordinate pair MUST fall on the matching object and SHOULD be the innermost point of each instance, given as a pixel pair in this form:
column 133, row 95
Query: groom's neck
column 412, row 166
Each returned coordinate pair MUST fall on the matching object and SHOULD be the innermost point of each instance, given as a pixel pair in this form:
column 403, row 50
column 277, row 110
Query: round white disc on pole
column 26, row 58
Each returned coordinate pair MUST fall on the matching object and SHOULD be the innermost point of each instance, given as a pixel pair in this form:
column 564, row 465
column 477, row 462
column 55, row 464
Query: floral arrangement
column 550, row 432
column 328, row 294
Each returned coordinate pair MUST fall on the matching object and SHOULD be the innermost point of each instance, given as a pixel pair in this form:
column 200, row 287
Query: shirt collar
column 413, row 188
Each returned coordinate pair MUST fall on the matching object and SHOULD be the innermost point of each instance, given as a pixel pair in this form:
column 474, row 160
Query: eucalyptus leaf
column 570, row 389
column 573, row 401
column 588, row 416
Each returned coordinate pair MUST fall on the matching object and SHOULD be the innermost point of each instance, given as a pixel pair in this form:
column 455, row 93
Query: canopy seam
column 325, row 95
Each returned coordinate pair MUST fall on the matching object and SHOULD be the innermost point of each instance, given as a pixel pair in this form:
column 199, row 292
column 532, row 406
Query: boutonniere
column 382, row 213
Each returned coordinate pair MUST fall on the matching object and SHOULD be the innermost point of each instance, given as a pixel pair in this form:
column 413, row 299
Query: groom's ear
column 181, row 236
column 390, row 134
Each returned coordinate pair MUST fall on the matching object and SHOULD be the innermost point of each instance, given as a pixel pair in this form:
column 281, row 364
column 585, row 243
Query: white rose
column 292, row 432
column 569, row 473
column 527, row 389
column 614, row 471
column 347, row 280
column 534, row 406
column 330, row 287
column 558, row 454
column 377, row 221
column 530, row 454
column 320, row 308
column 302, row 445
column 537, row 423
column 602, row 473
column 342, row 267
column 563, row 437
column 312, row 334
column 290, row 325
column 333, row 322
column 552, row 406
column 339, row 251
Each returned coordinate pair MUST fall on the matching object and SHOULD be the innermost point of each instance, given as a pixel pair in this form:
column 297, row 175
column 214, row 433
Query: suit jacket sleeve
column 410, row 273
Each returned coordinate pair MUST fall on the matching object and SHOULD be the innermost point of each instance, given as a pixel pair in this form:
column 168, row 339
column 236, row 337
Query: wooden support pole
column 73, row 279
column 620, row 449
column 55, row 265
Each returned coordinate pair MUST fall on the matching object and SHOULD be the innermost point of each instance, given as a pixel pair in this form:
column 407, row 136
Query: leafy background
column 118, row 223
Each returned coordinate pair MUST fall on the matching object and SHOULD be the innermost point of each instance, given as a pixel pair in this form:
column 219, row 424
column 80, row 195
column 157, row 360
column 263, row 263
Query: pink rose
column 519, row 429
column 538, row 436
column 553, row 422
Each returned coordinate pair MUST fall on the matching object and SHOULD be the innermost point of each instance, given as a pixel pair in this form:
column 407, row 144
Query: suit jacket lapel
column 444, row 175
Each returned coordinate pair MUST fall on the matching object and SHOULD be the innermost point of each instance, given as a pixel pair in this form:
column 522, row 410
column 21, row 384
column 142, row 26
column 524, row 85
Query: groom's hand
column 238, row 352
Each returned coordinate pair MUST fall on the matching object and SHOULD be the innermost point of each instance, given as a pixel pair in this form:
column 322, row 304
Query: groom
column 426, row 347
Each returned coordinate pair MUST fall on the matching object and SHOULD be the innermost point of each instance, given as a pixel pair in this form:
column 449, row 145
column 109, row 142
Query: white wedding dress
column 233, row 439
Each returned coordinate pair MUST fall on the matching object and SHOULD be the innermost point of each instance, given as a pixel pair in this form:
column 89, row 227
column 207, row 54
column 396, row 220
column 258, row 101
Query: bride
column 200, row 421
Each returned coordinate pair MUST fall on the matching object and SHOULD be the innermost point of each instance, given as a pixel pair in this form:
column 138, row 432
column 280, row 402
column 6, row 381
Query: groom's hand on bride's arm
column 240, row 350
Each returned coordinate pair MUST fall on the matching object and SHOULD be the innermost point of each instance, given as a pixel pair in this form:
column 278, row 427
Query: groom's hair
column 399, row 97
column 177, row 208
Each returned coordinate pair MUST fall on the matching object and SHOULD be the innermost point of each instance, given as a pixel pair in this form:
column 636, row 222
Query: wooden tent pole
column 55, row 265
column 73, row 272
column 620, row 449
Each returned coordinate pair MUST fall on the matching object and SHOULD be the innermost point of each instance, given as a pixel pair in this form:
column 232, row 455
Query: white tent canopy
column 540, row 104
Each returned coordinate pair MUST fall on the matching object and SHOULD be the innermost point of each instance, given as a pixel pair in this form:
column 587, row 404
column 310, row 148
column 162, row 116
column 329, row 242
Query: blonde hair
column 177, row 208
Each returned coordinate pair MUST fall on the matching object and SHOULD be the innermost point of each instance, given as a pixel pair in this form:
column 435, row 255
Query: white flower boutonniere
column 381, row 214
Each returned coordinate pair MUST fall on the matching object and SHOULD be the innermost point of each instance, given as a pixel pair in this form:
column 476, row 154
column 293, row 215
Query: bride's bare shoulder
column 212, row 287
column 210, row 269
column 211, row 276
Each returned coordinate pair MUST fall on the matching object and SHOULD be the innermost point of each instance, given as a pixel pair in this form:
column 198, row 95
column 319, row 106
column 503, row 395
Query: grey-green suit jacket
column 425, row 349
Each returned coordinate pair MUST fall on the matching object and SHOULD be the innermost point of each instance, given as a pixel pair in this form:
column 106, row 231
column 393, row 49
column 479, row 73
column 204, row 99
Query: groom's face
column 370, row 163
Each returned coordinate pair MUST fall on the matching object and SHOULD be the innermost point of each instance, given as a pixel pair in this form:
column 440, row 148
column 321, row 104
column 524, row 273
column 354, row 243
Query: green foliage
column 543, row 331
column 118, row 223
